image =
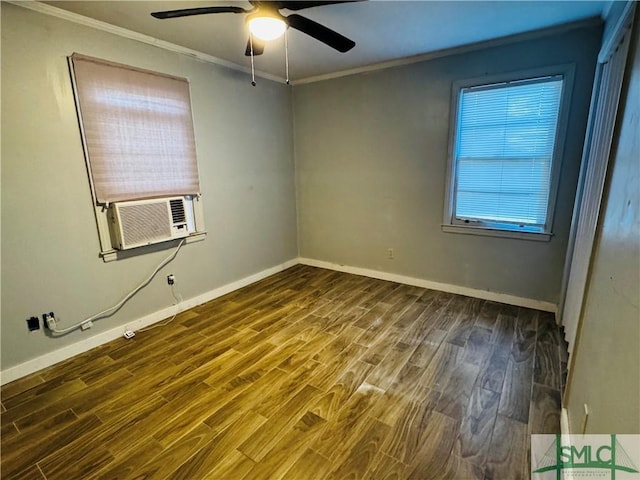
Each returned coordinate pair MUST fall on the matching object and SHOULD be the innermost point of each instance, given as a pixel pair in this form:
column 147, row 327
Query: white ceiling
column 383, row 30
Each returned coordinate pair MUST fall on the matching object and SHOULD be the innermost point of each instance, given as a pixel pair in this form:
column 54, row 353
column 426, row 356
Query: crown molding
column 470, row 47
column 139, row 37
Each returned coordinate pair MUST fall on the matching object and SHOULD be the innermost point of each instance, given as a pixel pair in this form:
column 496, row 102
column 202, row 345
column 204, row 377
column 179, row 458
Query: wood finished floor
column 309, row 374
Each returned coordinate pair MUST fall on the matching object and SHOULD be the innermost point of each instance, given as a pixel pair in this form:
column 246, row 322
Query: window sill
column 112, row 255
column 493, row 232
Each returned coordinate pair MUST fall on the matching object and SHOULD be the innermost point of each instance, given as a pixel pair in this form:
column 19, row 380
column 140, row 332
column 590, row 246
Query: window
column 504, row 156
column 137, row 131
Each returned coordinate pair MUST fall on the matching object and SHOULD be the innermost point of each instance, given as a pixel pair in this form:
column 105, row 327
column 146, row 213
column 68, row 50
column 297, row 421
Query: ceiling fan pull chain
column 253, row 73
column 286, row 54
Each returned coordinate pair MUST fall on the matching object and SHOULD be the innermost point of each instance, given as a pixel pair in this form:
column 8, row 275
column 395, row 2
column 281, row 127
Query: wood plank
column 329, row 404
column 20, row 386
column 288, row 448
column 379, row 323
column 82, row 401
column 264, row 437
column 427, row 296
column 299, row 356
column 76, row 367
column 125, row 465
column 488, row 315
column 455, row 395
column 477, row 426
column 233, row 465
column 545, row 410
column 411, row 315
column 445, row 309
column 8, row 432
column 409, row 434
column 507, row 453
column 386, row 468
column 464, row 323
column 478, row 347
column 384, row 374
column 278, row 392
column 547, row 365
column 407, row 381
column 228, row 408
column 548, row 331
column 457, row 468
column 13, row 445
column 344, row 319
column 18, row 407
column 210, row 455
column 310, row 466
column 28, row 454
column 32, row 472
column 503, row 331
column 493, row 370
column 348, row 422
column 363, row 453
column 516, row 391
column 442, row 365
column 185, row 420
column 333, row 349
column 432, row 457
column 91, row 452
column 162, row 465
column 427, row 348
column 119, row 401
column 76, row 463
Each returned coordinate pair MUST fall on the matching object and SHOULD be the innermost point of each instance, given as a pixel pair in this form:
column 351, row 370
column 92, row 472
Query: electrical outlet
column 48, row 317
column 33, row 324
column 390, row 254
column 171, row 279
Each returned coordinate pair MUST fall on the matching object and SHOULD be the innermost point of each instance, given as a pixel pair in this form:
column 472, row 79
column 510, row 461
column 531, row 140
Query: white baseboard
column 13, row 373
column 564, row 422
column 30, row 366
column 443, row 287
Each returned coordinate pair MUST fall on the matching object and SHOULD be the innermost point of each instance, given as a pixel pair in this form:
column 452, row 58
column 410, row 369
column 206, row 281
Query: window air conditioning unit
column 144, row 222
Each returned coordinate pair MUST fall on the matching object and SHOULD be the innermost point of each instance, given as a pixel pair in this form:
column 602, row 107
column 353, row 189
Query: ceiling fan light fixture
column 266, row 27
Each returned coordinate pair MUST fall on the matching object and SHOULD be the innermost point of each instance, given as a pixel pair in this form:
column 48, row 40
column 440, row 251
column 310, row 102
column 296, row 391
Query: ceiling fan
column 267, row 23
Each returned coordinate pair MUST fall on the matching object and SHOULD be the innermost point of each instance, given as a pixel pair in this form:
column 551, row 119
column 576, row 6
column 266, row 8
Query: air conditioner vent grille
column 144, row 223
column 178, row 214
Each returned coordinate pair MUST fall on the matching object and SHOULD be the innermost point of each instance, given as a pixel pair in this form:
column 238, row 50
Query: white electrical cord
column 51, row 322
column 177, row 304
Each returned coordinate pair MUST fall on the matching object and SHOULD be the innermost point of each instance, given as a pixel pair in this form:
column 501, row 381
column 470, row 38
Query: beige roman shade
column 138, row 131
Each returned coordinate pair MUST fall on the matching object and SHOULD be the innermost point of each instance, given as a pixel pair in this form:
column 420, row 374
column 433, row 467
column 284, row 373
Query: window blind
column 504, row 151
column 138, row 131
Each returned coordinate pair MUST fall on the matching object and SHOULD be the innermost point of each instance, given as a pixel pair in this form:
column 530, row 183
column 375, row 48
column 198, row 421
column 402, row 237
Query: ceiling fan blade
column 320, row 32
column 258, row 47
column 186, row 12
column 294, row 6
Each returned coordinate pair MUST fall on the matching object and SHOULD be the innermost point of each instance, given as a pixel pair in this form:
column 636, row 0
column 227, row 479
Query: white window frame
column 452, row 225
column 193, row 204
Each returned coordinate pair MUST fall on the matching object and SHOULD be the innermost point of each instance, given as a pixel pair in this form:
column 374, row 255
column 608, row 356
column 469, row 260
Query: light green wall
column 371, row 155
column 606, row 368
column 49, row 239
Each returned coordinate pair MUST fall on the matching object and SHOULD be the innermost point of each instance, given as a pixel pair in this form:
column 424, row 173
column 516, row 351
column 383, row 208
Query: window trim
column 449, row 223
